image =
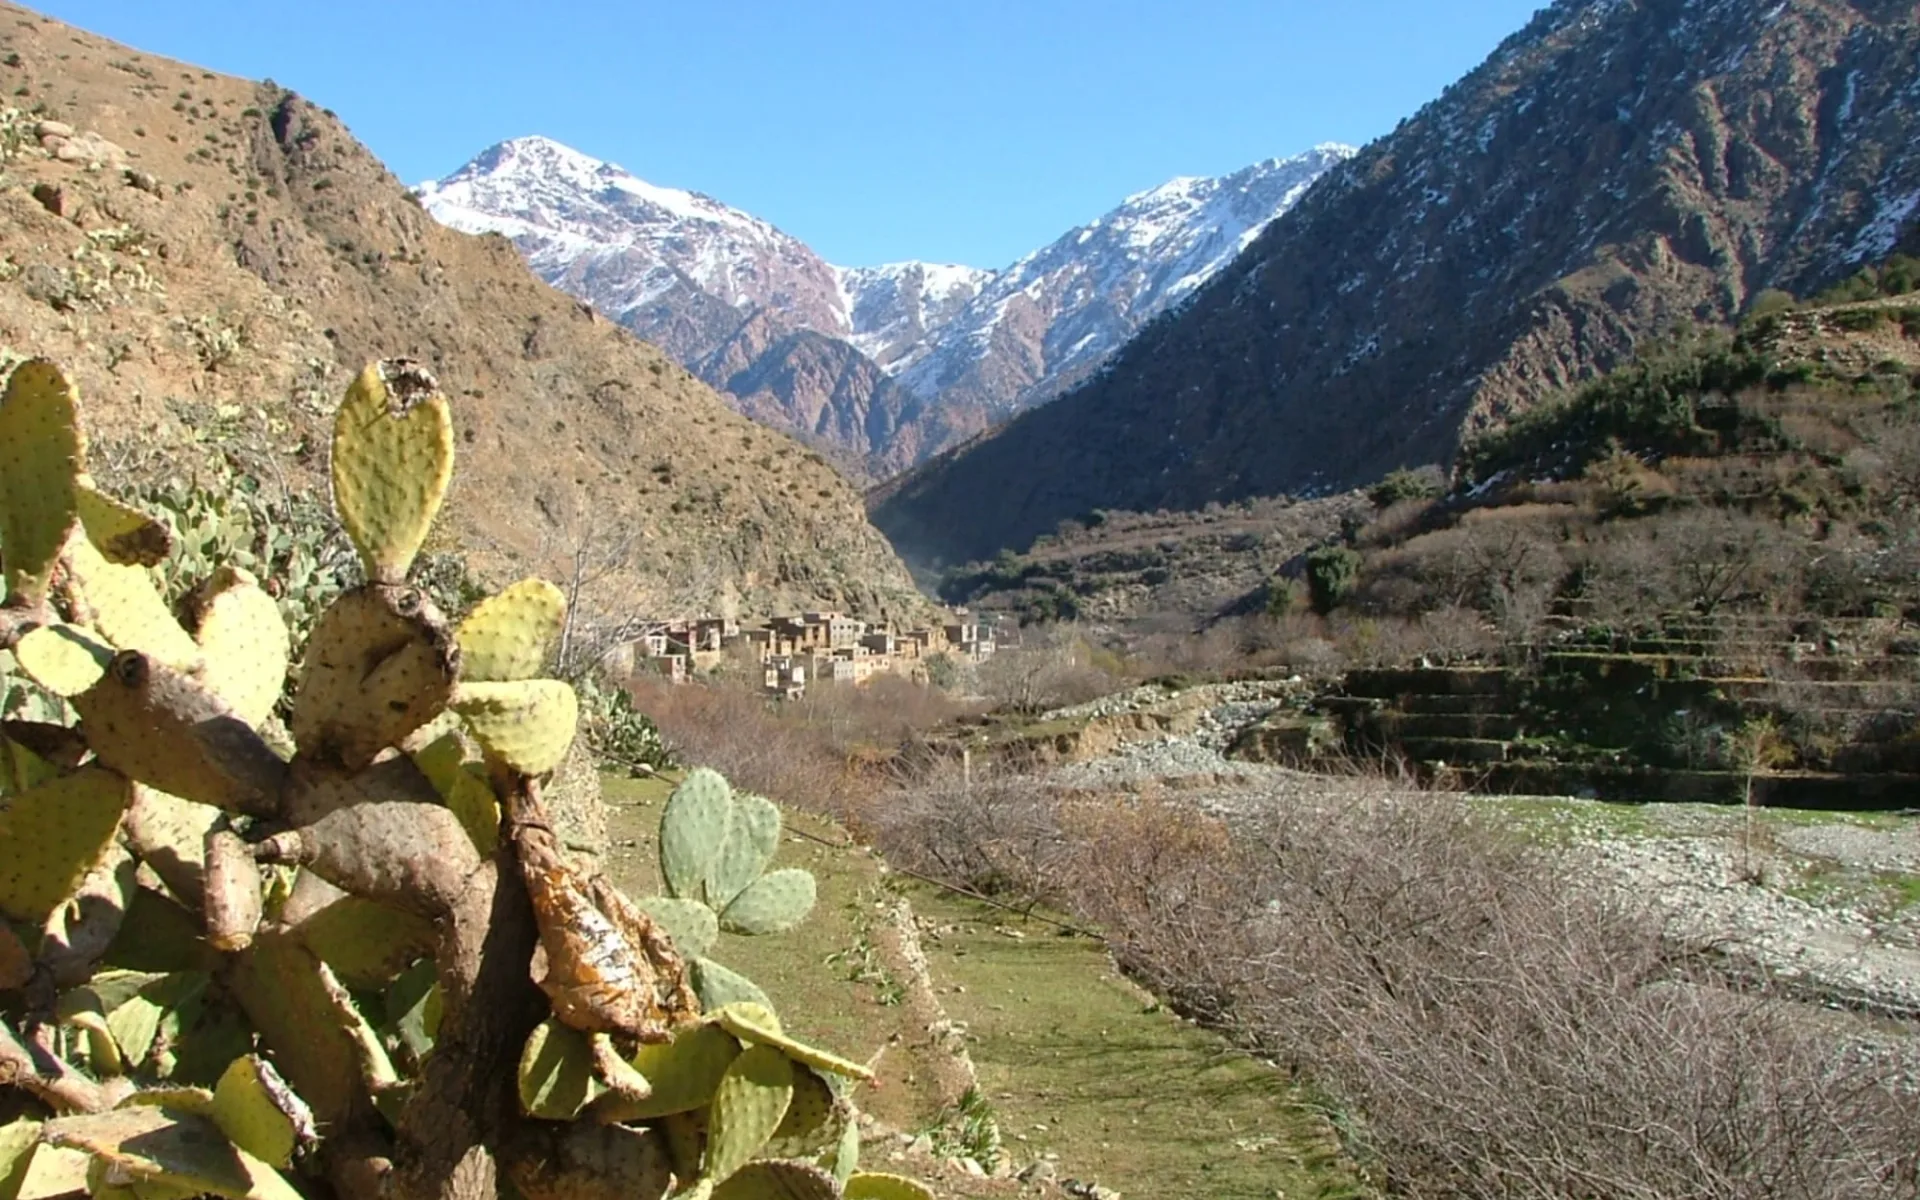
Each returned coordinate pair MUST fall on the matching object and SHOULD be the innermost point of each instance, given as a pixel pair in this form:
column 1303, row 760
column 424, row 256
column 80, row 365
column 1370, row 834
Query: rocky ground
column 1829, row 902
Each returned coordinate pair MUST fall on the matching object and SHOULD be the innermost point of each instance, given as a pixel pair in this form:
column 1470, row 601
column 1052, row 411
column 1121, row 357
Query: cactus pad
column 64, row 659
column 392, row 462
column 127, row 611
column 232, row 892
column 508, row 636
column 755, row 1023
column 527, row 725
column 51, row 836
column 775, row 1179
column 168, row 731
column 773, row 904
column 871, row 1185
column 719, row 986
column 462, row 788
column 42, row 454
column 17, row 1143
column 753, row 835
column 685, row 1073
column 122, row 533
column 150, row 1143
column 556, row 1072
column 169, row 834
column 245, row 642
column 379, row 666
column 748, row 1106
column 691, row 924
column 259, row 1113
column 692, row 831
column 813, row 1121
column 366, row 943
column 846, row 1155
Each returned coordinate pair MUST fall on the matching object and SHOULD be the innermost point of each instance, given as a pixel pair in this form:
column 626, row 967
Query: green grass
column 1077, row 1061
column 1072, row 1060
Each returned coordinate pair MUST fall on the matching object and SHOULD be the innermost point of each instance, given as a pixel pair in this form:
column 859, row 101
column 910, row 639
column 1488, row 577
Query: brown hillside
column 214, row 258
column 1612, row 170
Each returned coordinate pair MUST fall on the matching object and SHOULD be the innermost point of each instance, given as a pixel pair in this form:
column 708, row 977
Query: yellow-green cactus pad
column 126, row 610
column 54, row 1171
column 750, row 1023
column 380, row 664
column 51, row 836
column 748, row 1107
column 871, row 1185
column 166, row 730
column 42, row 455
column 772, row 904
column 845, row 1157
column 508, row 636
column 527, row 725
column 813, row 1121
column 121, row 532
column 64, row 659
column 463, row 788
column 17, row 1142
column 777, row 1179
column 366, row 943
column 159, row 935
column 392, row 462
column 684, row 1072
column 719, row 986
column 148, row 1142
column 556, row 1072
column 259, row 1113
column 245, row 642
column 691, row 924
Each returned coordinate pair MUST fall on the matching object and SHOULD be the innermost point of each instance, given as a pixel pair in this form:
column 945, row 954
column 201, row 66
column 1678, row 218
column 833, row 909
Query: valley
column 1386, row 672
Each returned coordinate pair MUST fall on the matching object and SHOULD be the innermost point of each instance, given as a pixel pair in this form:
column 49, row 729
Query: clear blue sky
column 953, row 130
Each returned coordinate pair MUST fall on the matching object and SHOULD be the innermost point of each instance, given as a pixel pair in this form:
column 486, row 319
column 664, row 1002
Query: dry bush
column 991, row 831
column 828, row 752
column 1486, row 1030
column 1495, row 1033
column 1396, row 522
column 1057, row 666
column 1701, row 561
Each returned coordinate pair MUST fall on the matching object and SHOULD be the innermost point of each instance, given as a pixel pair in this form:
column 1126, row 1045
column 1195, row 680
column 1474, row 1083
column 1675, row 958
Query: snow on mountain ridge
column 719, row 288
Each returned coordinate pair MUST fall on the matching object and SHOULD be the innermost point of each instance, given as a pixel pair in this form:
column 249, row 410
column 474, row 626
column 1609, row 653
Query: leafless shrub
column 993, row 831
column 1485, row 1030
column 1054, row 667
column 1495, row 1033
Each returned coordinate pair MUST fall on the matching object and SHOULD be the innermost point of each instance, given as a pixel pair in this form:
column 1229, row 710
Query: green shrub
column 1403, row 484
column 1332, row 572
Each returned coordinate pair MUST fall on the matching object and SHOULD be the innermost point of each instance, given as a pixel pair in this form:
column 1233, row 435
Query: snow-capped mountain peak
column 721, row 289
column 578, row 217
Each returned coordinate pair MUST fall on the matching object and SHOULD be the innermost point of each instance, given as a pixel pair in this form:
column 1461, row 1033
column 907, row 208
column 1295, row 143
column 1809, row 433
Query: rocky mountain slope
column 214, row 258
column 726, row 293
column 1615, row 167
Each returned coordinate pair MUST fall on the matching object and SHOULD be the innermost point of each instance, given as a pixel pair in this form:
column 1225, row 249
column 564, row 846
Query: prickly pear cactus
column 369, row 951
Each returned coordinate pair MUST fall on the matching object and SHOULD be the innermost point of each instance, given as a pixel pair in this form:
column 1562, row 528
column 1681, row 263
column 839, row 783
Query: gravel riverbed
column 1827, row 901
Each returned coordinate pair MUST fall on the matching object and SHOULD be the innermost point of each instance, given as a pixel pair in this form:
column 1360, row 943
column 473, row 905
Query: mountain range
column 212, row 259
column 1613, row 169
column 880, row 366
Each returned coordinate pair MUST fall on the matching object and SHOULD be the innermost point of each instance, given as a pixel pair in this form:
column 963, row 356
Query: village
column 809, row 647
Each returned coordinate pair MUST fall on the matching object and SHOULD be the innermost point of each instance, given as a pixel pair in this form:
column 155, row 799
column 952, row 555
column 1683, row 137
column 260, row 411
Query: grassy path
column 1079, row 1062
column 1080, row 1067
